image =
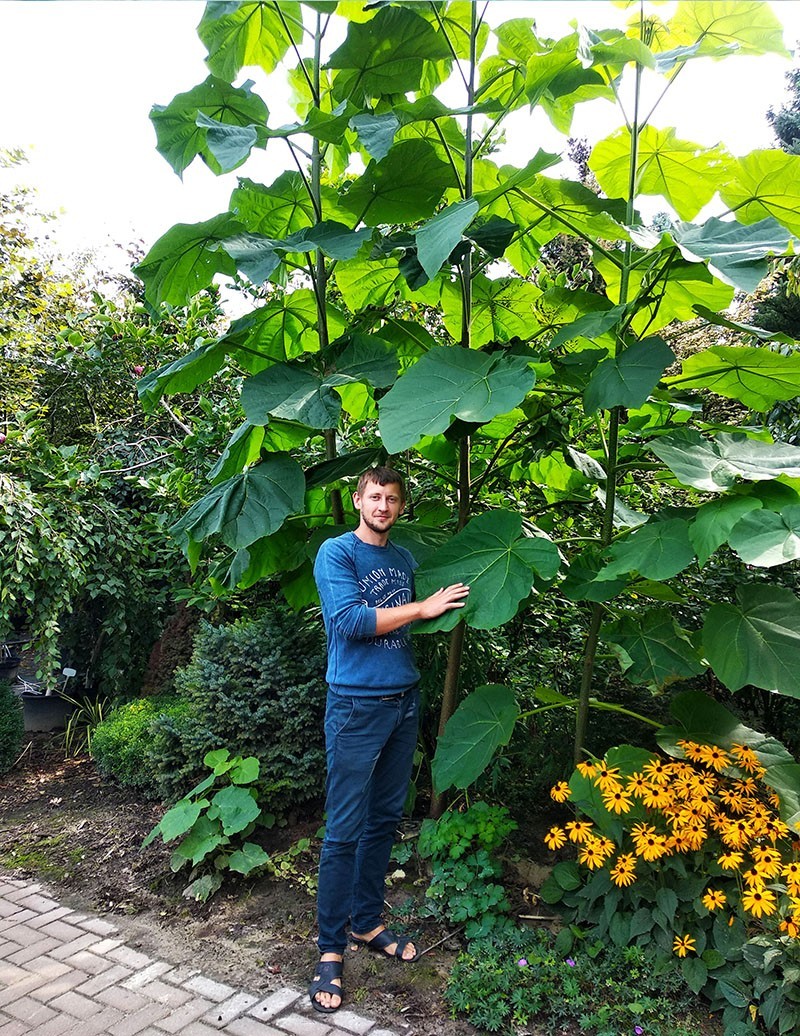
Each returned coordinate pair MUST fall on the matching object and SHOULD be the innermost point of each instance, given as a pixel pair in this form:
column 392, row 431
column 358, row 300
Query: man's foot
column 326, row 982
column 383, row 940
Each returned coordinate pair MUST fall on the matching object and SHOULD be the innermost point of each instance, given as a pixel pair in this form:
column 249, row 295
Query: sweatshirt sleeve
column 342, row 604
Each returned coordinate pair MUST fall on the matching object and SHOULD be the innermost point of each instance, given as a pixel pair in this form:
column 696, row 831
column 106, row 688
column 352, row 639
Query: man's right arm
column 341, row 598
column 444, row 600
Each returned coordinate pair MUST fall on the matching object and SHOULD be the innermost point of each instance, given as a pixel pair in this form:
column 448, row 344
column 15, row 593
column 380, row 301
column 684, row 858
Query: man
column 366, row 586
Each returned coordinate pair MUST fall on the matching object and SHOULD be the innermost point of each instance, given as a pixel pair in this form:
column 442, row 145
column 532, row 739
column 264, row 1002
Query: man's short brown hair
column 382, row 476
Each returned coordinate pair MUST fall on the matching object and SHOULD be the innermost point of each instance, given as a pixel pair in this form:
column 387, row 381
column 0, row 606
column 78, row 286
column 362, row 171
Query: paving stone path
column 64, row 973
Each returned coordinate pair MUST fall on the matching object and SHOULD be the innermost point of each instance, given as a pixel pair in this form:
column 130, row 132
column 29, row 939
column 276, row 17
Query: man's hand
column 444, row 600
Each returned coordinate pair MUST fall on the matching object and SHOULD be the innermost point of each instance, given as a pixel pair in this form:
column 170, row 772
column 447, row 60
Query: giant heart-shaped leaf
column 291, row 393
column 757, row 377
column 502, row 309
column 628, row 378
column 243, row 449
column 743, row 27
column 248, row 33
column 282, row 552
column 227, row 147
column 657, row 550
column 406, row 185
column 235, row 807
column 714, row 465
column 258, row 256
column 764, row 183
column 366, row 358
column 756, row 640
column 437, row 238
column 482, row 723
column 275, row 210
column 737, row 254
column 248, row 506
column 448, row 383
column 656, row 650
column 180, row 138
column 715, row 520
column 680, row 171
column 557, row 80
column 498, row 564
column 186, row 259
column 385, row 55
column 182, row 375
column 766, row 538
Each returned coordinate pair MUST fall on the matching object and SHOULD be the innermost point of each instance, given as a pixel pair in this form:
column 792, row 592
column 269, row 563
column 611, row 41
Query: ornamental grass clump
column 691, row 858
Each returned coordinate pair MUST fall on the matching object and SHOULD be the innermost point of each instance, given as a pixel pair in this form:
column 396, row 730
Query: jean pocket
column 339, row 714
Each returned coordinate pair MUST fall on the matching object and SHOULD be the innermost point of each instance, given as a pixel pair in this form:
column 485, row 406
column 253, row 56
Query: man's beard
column 380, row 530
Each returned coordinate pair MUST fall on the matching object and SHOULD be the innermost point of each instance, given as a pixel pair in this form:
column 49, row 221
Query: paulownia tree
column 407, row 315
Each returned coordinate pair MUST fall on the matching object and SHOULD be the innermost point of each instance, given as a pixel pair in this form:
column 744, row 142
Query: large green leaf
column 182, row 375
column 180, row 138
column 406, row 185
column 248, row 506
column 657, row 550
column 482, row 723
column 186, row 259
column 248, row 858
column 366, row 358
column 227, row 147
column 448, row 383
column 236, row 808
column 344, row 466
column 680, row 171
column 737, row 254
column 715, row 465
column 248, row 33
column 725, row 26
column 557, row 80
column 437, row 238
column 243, row 449
column 628, row 378
column 715, row 520
column 756, row 640
column 766, row 538
column 386, row 54
column 291, row 393
column 282, row 552
column 280, row 208
column 502, row 309
column 497, row 562
column 756, row 376
column 656, row 651
column 765, row 183
column 364, row 283
column 258, row 256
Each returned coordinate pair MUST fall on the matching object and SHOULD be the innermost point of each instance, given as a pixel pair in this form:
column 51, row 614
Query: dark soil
column 81, row 835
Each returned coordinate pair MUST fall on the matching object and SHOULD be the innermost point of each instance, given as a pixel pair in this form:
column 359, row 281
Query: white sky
column 78, row 77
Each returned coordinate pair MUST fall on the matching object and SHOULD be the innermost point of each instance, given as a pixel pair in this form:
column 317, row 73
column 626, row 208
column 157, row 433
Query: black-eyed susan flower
column 656, row 771
column 730, row 860
column 758, row 901
column 555, row 838
column 746, row 758
column 714, row 757
column 684, row 944
column 560, row 792
column 591, row 853
column 617, row 801
column 585, row 769
column 607, row 777
column 714, row 899
column 637, row 785
column 623, row 873
column 578, row 830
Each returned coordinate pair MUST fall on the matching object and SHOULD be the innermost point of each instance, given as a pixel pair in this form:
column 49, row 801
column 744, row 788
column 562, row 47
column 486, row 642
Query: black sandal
column 378, row 944
column 327, row 971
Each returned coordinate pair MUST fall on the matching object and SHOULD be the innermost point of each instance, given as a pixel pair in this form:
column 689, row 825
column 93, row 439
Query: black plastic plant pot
column 45, row 712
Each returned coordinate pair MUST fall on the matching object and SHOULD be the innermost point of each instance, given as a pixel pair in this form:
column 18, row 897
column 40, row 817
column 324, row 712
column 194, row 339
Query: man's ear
column 357, row 501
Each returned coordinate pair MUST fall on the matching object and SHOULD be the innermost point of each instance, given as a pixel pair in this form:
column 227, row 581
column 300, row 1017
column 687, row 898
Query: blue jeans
column 370, row 744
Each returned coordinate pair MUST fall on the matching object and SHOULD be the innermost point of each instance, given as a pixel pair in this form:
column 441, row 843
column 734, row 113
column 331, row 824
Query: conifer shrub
column 257, row 688
column 12, row 727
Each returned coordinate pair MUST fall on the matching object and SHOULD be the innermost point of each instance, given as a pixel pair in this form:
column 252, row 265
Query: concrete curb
column 64, row 973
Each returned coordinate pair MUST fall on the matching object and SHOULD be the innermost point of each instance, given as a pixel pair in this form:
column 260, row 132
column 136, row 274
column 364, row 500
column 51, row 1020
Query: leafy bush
column 127, row 747
column 12, row 727
column 214, row 821
column 255, row 687
column 520, row 976
column 689, row 858
column 460, row 847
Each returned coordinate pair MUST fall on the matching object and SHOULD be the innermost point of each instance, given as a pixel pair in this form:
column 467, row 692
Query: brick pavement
column 64, row 973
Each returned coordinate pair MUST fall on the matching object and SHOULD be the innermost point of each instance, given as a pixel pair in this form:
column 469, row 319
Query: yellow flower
column 637, row 785
column 690, row 749
column 607, row 777
column 758, row 901
column 746, row 758
column 790, row 926
column 617, row 801
column 792, row 873
column 680, row 843
column 586, row 769
column 657, row 771
column 560, row 792
column 591, row 853
column 753, row 879
column 737, row 833
column 714, row 757
column 623, row 872
column 657, row 797
column 683, row 945
column 714, row 899
column 767, row 861
column 555, row 838
column 578, row 830
column 652, row 847
column 730, row 860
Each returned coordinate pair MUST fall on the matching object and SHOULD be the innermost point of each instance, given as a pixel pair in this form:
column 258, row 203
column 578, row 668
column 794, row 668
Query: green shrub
column 12, row 727
column 257, row 688
column 522, row 977
column 126, row 746
column 463, row 889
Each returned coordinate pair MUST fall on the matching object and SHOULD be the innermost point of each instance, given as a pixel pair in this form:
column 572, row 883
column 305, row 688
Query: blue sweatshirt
column 354, row 578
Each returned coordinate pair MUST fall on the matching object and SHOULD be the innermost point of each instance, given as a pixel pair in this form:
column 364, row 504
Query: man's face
column 380, row 506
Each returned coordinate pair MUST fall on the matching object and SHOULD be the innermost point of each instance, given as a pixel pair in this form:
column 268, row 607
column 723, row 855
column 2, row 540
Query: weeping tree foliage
column 402, row 310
